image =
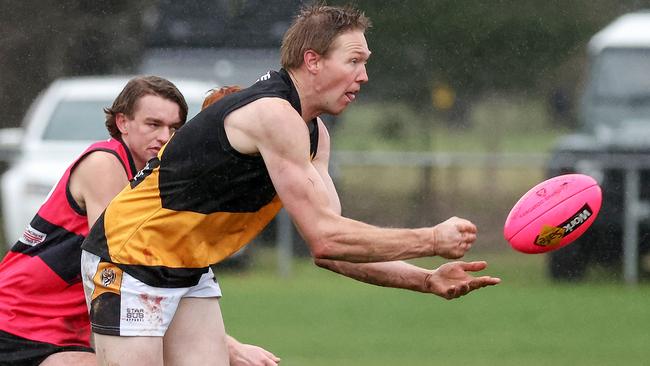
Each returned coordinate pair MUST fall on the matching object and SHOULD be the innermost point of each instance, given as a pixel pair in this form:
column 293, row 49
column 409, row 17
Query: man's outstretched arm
column 450, row 280
column 282, row 138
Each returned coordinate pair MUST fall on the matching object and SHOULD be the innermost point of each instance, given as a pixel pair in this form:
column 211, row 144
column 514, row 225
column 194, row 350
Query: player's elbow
column 317, row 237
column 325, row 238
column 324, row 245
column 322, row 248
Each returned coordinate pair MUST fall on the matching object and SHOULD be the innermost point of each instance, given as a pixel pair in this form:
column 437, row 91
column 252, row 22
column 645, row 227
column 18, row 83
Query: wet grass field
column 315, row 318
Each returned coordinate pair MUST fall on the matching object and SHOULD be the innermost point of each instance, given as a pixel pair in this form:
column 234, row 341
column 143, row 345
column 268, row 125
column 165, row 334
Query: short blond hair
column 315, row 28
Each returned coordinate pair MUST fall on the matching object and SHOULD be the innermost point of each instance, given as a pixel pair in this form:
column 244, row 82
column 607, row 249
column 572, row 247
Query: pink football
column 553, row 213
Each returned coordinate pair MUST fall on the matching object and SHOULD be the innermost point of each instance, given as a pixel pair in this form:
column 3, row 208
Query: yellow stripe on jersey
column 158, row 236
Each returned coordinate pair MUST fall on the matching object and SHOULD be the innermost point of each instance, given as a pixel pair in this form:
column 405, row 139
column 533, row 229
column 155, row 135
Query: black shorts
column 18, row 351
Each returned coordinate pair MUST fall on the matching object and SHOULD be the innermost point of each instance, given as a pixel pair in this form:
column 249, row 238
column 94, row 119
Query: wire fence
column 409, row 189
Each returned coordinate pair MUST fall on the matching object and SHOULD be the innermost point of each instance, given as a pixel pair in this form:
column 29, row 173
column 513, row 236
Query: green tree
column 476, row 46
column 44, row 40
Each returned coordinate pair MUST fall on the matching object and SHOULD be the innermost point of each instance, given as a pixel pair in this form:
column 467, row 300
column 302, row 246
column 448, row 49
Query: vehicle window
column 78, row 120
column 622, row 74
column 84, row 120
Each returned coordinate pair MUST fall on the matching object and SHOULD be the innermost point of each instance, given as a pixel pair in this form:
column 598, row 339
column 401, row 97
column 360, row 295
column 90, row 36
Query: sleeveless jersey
column 41, row 295
column 199, row 203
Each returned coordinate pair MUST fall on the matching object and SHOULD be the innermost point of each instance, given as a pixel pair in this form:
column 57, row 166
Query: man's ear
column 312, row 61
column 121, row 122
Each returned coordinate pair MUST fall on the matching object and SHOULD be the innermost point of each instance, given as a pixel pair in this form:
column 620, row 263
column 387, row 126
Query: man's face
column 155, row 119
column 343, row 71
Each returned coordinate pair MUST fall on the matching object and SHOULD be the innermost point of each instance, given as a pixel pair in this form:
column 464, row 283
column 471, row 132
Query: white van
column 613, row 140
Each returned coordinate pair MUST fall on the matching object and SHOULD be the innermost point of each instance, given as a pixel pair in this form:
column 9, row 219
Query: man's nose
column 165, row 134
column 363, row 75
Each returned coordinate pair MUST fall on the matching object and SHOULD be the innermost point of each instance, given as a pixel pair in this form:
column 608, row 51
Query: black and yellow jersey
column 198, row 202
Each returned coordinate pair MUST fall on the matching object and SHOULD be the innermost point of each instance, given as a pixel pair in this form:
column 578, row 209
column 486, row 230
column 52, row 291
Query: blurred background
column 476, row 48
column 461, row 52
column 469, row 105
column 472, row 49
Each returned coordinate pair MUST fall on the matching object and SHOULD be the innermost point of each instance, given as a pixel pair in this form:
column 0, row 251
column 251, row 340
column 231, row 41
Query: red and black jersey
column 41, row 295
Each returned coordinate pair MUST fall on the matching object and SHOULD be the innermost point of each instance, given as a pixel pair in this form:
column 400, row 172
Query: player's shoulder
column 267, row 111
column 272, row 105
column 97, row 161
column 95, row 171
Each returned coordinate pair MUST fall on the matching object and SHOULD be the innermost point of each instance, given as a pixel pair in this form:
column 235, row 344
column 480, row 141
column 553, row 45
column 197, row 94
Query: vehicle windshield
column 83, row 120
column 622, row 75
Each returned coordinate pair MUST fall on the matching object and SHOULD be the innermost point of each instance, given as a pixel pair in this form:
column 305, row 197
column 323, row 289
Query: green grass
column 318, row 318
column 315, row 317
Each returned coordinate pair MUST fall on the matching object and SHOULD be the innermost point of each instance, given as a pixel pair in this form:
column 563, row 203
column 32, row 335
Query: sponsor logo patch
column 152, row 164
column 32, row 236
column 134, row 314
column 551, row 235
column 108, row 277
column 265, row 77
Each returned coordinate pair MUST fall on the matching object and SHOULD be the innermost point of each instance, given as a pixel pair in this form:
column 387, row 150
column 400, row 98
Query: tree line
column 472, row 46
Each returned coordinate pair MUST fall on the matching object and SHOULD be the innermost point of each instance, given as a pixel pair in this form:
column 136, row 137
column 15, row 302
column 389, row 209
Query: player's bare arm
column 450, row 280
column 95, row 181
column 321, row 163
column 281, row 136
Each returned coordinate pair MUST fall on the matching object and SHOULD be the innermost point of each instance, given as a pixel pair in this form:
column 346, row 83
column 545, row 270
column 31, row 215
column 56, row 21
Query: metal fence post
column 631, row 227
column 284, row 243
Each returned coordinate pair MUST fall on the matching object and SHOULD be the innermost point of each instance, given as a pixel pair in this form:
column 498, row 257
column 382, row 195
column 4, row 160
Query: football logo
column 108, row 277
column 552, row 235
